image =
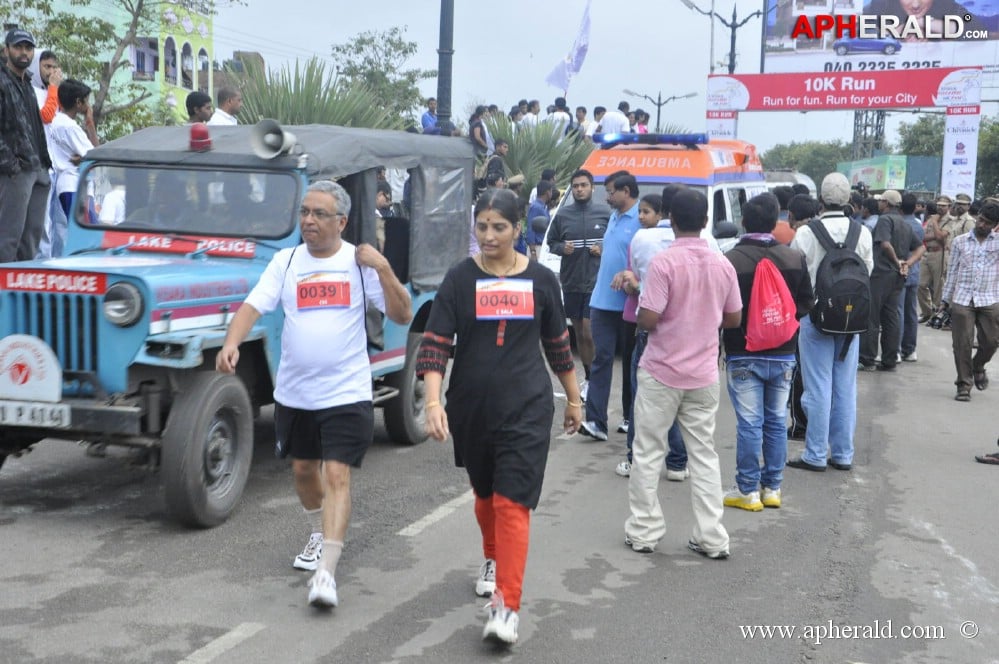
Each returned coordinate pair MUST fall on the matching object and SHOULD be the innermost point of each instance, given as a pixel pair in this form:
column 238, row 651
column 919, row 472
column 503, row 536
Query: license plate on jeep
column 34, row 414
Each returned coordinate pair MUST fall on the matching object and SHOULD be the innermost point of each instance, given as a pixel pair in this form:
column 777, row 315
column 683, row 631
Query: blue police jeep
column 115, row 343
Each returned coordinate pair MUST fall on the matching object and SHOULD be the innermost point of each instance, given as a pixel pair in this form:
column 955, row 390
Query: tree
column 82, row 38
column 988, row 158
column 377, row 59
column 308, row 94
column 925, row 136
column 816, row 159
column 535, row 148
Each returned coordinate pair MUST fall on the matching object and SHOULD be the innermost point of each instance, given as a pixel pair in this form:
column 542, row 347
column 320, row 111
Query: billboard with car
column 859, row 36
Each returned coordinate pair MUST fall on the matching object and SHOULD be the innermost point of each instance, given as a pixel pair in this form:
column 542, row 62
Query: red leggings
column 505, row 527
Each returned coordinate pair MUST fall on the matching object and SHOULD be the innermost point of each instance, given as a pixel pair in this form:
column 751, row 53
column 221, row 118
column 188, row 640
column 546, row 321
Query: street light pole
column 732, row 25
column 659, row 101
column 445, row 53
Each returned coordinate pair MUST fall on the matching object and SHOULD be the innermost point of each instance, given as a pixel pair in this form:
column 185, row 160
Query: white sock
column 331, row 555
column 315, row 519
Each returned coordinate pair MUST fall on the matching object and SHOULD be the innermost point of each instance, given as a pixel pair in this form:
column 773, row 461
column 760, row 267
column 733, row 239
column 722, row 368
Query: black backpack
column 842, row 284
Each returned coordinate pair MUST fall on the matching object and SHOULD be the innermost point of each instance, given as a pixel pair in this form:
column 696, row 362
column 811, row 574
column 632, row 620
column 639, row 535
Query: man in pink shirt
column 689, row 292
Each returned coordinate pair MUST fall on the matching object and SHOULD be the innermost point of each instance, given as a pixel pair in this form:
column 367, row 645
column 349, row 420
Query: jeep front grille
column 67, row 323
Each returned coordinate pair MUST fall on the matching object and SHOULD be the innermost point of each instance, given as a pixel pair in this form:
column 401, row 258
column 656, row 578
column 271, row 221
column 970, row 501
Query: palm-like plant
column 535, row 148
column 311, row 93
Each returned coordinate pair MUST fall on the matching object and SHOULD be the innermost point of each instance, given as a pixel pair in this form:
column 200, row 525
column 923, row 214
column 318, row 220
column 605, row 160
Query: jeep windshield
column 213, row 203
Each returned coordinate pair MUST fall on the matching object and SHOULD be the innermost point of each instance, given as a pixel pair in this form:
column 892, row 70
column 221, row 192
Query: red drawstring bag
column 770, row 321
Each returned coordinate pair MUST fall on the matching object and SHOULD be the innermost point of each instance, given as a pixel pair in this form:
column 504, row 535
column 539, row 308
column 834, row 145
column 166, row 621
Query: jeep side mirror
column 539, row 225
column 725, row 229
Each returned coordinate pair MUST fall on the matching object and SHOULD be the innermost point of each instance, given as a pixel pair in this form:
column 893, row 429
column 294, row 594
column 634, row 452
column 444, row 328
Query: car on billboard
column 847, row 45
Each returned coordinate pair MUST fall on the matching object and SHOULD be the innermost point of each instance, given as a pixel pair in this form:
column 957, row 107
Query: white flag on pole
column 573, row 62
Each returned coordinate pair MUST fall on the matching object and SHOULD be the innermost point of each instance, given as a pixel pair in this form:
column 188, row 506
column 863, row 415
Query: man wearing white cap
column 829, row 361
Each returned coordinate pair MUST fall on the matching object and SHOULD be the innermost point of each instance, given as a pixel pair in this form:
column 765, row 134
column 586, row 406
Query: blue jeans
column 830, row 397
column 758, row 388
column 908, row 313
column 676, row 458
column 605, row 326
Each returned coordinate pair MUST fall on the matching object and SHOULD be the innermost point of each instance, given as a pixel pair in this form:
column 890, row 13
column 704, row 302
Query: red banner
column 51, row 281
column 845, row 90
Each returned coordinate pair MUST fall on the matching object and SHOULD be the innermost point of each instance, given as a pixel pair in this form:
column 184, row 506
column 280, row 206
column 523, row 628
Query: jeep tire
column 406, row 415
column 207, row 448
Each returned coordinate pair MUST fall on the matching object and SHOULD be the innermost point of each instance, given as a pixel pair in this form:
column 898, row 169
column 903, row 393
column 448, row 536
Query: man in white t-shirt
column 230, row 101
column 323, row 412
column 584, row 125
column 113, row 204
column 560, row 116
column 531, row 118
column 613, row 122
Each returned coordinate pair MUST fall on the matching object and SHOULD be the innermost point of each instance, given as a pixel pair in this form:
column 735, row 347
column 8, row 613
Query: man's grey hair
column 338, row 193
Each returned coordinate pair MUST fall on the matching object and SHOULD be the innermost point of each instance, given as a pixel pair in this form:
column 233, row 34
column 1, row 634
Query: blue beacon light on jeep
column 610, row 140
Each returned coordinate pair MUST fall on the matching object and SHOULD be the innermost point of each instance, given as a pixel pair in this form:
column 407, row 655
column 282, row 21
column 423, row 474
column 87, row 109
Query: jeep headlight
column 123, row 304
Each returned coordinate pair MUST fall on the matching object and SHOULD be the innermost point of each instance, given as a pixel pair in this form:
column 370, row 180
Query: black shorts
column 339, row 433
column 577, row 305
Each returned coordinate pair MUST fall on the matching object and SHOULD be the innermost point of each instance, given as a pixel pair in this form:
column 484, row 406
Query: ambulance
column 728, row 172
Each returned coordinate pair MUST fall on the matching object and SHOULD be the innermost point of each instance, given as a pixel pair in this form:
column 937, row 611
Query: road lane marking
column 226, row 642
column 417, row 527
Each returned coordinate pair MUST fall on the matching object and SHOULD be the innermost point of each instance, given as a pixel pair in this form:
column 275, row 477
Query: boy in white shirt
column 68, row 142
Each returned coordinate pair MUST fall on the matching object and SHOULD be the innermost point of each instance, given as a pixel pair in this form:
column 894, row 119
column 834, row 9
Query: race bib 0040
column 323, row 290
column 504, row 299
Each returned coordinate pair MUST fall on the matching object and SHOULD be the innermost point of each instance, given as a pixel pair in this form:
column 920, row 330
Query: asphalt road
column 903, row 546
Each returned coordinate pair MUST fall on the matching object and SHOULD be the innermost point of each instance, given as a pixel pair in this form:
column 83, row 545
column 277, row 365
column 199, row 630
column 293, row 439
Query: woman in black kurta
column 499, row 305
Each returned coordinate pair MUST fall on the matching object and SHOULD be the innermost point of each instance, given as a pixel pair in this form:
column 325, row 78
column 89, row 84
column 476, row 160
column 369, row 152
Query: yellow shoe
column 771, row 497
column 746, row 501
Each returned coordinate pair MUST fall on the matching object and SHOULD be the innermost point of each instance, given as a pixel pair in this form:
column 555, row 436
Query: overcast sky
column 505, row 49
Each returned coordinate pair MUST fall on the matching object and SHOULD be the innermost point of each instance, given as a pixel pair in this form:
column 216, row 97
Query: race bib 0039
column 504, row 299
column 323, row 290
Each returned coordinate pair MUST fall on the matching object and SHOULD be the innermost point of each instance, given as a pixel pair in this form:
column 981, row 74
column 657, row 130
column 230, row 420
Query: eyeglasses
column 317, row 214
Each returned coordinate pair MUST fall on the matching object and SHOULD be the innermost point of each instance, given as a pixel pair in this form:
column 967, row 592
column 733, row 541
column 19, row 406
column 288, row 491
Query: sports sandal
column 990, row 459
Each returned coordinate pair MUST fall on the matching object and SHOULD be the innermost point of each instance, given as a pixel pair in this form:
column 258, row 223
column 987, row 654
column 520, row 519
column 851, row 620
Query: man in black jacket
column 24, row 155
column 759, row 381
column 576, row 234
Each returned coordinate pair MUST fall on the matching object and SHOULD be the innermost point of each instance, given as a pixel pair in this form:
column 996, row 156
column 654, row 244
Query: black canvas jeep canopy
column 332, row 151
column 440, row 171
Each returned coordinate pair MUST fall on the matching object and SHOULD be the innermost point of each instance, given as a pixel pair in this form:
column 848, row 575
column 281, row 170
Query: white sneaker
column 746, row 501
column 623, row 427
column 911, row 357
column 322, row 590
column 501, row 625
column 584, row 387
column 592, row 430
column 313, row 551
column 485, row 585
column 623, row 469
column 677, row 475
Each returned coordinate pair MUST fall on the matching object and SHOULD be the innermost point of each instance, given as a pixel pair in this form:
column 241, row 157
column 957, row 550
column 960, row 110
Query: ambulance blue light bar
column 610, row 140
